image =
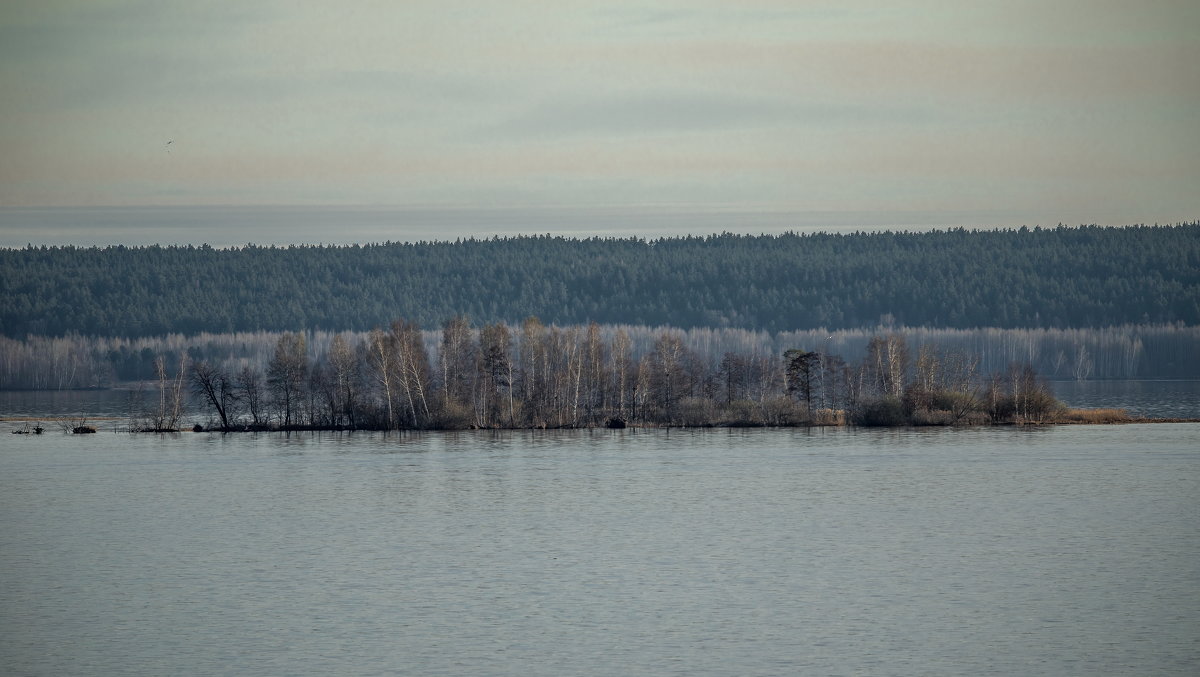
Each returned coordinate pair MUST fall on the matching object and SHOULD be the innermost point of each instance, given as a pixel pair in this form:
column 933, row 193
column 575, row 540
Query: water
column 1159, row 399
column 32, row 404
column 1053, row 551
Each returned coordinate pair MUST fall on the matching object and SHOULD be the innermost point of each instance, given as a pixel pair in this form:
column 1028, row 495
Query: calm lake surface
column 1062, row 550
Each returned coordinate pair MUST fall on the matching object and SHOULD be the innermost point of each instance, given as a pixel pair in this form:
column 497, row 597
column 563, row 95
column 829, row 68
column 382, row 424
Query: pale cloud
column 679, row 112
column 1055, row 108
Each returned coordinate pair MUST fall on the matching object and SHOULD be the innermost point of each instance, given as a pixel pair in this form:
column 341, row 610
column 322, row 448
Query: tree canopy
column 1060, row 277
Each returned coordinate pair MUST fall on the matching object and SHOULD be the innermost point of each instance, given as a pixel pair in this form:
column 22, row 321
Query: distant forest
column 1060, row 278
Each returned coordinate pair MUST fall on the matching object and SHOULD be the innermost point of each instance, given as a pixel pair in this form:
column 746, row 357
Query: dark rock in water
column 615, row 422
column 197, row 428
column 83, row 430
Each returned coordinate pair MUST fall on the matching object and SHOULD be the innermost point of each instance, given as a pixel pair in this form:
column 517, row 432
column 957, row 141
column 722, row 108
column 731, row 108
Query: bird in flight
column 169, row 142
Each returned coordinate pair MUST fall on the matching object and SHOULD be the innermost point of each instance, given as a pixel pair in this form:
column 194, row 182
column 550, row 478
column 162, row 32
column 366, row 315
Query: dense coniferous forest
column 1033, row 278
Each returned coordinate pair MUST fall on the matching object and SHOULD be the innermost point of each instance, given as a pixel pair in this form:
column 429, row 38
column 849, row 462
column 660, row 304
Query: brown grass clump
column 1095, row 416
column 829, row 417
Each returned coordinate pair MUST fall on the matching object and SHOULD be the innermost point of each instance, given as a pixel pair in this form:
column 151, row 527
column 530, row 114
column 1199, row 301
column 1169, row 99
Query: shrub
column 933, row 417
column 695, row 411
column 829, row 417
column 888, row 411
column 742, row 413
column 784, row 411
column 453, row 416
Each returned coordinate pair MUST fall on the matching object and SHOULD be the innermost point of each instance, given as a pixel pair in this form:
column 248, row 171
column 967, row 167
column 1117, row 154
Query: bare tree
column 458, row 355
column 836, row 381
column 249, row 390
column 1083, row 363
column 494, row 384
column 217, row 389
column 621, row 355
column 381, row 359
column 286, row 373
column 345, row 367
column 170, row 396
column 413, row 366
column 323, row 409
column 534, row 384
column 567, row 371
column 668, row 379
column 595, row 376
column 886, row 364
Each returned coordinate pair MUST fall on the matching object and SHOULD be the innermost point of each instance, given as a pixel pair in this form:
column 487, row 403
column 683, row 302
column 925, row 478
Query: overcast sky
column 1043, row 111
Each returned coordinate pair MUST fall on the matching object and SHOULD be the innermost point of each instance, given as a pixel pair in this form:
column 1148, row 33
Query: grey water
column 1154, row 399
column 1061, row 550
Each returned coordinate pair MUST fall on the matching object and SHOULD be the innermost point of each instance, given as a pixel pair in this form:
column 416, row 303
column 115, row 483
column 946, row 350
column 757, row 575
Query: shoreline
column 200, row 429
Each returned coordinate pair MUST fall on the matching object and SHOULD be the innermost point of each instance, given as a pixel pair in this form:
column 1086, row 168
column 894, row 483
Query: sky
column 612, row 116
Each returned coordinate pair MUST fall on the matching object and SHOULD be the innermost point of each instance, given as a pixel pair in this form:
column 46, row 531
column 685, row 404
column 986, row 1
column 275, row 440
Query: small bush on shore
column 933, row 417
column 829, row 417
column 887, row 411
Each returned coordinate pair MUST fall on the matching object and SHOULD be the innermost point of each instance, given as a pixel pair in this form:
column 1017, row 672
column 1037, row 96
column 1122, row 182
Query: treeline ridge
column 1026, row 278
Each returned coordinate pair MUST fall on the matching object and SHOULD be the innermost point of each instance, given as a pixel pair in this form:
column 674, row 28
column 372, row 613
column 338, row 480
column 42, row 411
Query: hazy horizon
column 233, row 226
column 594, row 118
